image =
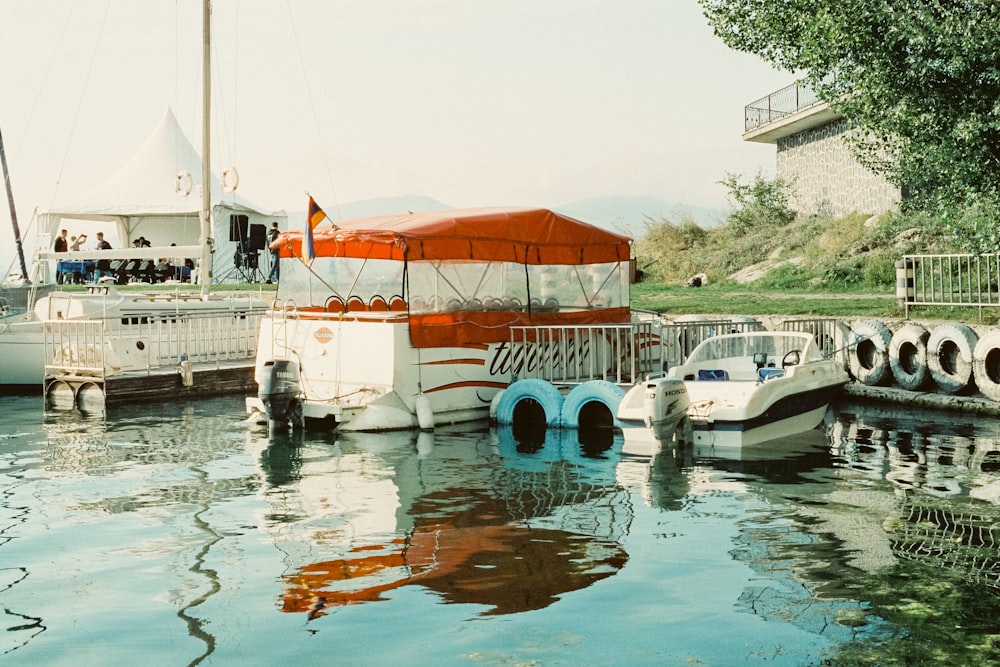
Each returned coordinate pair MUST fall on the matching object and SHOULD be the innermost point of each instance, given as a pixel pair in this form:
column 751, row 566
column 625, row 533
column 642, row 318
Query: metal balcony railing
column 779, row 104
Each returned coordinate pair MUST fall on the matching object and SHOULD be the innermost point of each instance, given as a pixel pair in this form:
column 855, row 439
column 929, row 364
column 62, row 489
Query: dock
column 94, row 364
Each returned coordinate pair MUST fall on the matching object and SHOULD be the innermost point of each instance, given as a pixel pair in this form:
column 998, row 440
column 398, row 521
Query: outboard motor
column 280, row 390
column 665, row 406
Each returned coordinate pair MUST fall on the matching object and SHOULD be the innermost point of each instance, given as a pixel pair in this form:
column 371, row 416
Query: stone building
column 811, row 154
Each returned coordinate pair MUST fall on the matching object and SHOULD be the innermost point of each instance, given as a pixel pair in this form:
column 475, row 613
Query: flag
column 315, row 216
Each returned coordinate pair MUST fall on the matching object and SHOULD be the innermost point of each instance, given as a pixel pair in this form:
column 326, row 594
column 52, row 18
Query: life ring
column 986, row 364
column 908, row 357
column 543, row 393
column 950, row 356
column 230, row 180
column 184, row 183
column 869, row 357
column 603, row 392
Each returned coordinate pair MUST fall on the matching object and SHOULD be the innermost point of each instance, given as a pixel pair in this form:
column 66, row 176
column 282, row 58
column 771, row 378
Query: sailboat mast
column 13, row 211
column 207, row 242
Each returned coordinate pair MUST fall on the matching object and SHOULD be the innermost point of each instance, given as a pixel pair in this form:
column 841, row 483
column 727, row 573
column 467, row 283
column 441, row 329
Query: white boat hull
column 361, row 373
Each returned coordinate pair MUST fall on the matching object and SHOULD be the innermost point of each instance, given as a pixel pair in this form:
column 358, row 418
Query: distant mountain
column 625, row 215
column 631, row 215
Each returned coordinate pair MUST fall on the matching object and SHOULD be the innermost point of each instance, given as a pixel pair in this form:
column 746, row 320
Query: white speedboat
column 406, row 320
column 751, row 387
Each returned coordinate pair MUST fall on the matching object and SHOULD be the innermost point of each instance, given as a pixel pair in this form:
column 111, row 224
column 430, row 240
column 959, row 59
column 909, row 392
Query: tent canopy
column 521, row 235
column 157, row 195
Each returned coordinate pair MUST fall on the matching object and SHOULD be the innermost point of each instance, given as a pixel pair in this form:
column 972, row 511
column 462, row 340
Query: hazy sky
column 471, row 102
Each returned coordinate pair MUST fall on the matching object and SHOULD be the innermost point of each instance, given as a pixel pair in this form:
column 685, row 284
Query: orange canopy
column 521, row 235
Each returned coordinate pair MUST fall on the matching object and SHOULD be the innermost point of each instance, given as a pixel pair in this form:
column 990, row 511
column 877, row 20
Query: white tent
column 156, row 195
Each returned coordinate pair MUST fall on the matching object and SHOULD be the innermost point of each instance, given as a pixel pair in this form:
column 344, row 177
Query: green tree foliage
column 761, row 203
column 919, row 79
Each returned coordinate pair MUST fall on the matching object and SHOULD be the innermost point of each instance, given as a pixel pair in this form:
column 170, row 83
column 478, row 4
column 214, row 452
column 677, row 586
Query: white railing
column 101, row 347
column 619, row 353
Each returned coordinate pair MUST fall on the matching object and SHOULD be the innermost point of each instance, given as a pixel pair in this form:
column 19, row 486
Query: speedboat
column 407, row 321
column 751, row 387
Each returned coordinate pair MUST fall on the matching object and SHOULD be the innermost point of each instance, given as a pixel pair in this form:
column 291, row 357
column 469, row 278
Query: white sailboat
column 133, row 320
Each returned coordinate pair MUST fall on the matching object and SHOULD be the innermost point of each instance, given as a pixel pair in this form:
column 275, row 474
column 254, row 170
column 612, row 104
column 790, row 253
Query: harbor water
column 176, row 535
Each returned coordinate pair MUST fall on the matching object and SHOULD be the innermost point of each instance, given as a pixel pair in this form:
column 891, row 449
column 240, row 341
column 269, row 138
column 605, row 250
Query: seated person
column 162, row 270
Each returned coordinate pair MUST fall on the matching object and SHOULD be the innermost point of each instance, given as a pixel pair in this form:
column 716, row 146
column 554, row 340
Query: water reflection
column 485, row 519
column 873, row 540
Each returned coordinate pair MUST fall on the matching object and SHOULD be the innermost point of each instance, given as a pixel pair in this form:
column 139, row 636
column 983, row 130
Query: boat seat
column 765, row 374
column 397, row 304
column 377, row 304
column 713, row 374
column 356, row 304
column 335, row 304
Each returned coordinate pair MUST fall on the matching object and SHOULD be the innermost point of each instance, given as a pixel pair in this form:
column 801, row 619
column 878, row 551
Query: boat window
column 341, row 277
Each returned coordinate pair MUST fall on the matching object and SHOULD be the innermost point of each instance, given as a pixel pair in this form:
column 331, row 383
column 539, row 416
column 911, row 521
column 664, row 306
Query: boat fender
column 908, row 357
column 950, row 356
column 986, row 364
column 493, row 406
column 869, row 358
column 606, row 393
column 230, row 180
column 425, row 414
column 540, row 391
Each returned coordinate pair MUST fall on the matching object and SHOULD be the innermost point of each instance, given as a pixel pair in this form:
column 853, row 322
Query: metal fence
column 779, row 104
column 620, row 353
column 101, row 347
column 948, row 280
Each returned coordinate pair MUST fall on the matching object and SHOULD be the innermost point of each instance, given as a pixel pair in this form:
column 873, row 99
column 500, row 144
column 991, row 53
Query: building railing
column 103, row 347
column 948, row 280
column 779, row 104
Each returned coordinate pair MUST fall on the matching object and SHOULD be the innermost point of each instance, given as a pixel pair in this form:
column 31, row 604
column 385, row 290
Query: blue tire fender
column 594, row 391
column 544, row 393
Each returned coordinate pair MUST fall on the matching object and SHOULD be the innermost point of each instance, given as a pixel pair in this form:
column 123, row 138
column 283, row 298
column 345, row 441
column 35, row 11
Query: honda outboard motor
column 665, row 405
column 280, row 390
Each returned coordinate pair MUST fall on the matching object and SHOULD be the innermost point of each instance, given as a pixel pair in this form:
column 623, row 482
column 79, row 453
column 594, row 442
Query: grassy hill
column 790, row 265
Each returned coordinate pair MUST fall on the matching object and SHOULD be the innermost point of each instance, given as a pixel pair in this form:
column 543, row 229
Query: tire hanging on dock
column 986, row 364
column 869, row 358
column 950, row 357
column 539, row 394
column 908, row 357
column 605, row 393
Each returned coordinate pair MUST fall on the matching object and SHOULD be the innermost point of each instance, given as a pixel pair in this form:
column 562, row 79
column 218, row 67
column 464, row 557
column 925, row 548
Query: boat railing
column 102, row 347
column 619, row 353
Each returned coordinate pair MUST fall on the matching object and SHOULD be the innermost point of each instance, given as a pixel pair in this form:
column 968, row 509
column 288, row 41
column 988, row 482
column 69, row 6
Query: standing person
column 272, row 236
column 61, row 245
column 77, row 242
column 103, row 265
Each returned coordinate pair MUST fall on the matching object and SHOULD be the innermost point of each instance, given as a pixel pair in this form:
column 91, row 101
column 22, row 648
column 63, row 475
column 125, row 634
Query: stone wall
column 827, row 179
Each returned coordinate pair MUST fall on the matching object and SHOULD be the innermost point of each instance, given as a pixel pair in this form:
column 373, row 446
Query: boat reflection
column 485, row 519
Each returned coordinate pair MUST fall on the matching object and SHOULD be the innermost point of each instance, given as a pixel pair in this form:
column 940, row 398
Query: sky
column 470, row 102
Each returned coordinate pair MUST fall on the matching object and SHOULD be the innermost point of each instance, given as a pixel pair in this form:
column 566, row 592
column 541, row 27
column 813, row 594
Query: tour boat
column 404, row 321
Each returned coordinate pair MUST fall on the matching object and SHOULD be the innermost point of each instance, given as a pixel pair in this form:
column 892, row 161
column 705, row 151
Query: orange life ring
column 230, row 180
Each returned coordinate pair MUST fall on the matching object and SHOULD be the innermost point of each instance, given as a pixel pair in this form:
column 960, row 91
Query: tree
column 919, row 80
column 762, row 203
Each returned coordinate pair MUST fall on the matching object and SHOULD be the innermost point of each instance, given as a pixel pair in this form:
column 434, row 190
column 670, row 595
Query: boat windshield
column 432, row 286
column 775, row 345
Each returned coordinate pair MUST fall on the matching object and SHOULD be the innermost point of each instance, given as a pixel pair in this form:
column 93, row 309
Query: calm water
column 179, row 537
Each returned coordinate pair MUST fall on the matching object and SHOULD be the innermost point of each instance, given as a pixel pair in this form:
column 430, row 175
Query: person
column 103, row 266
column 272, row 236
column 61, row 245
column 128, row 270
column 77, row 242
